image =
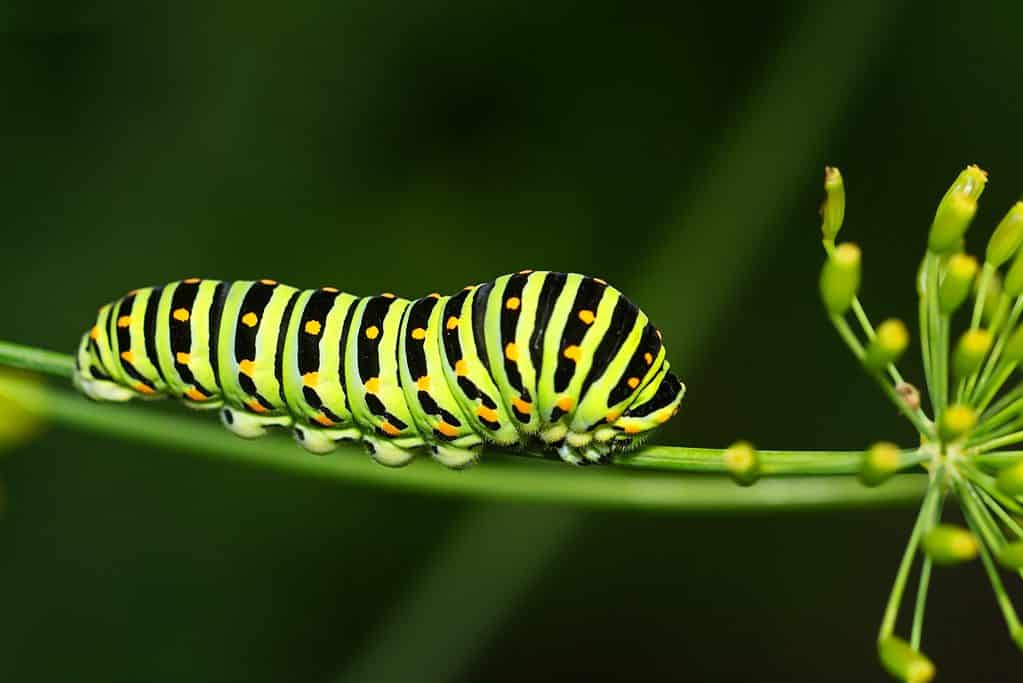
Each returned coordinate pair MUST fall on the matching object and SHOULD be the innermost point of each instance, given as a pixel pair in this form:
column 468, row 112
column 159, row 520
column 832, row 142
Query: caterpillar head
column 655, row 405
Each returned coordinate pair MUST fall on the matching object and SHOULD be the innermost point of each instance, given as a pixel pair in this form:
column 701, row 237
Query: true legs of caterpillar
column 563, row 361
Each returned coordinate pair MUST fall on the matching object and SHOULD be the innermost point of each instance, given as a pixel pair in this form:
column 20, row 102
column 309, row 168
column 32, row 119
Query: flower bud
column 954, row 289
column 833, row 208
column 953, row 217
column 880, row 462
column 950, row 544
column 903, row 662
column 957, row 421
column 840, row 278
column 1010, row 479
column 888, row 344
column 1014, row 278
column 1011, row 555
column 970, row 352
column 743, row 463
column 1013, row 352
column 1007, row 236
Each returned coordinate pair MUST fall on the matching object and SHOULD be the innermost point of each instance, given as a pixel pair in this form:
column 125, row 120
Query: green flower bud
column 954, row 215
column 1007, row 236
column 1013, row 352
column 1014, row 278
column 888, row 344
column 971, row 350
column 903, row 662
column 957, row 421
column 954, row 289
column 970, row 182
column 950, row 544
column 1011, row 555
column 743, row 463
column 833, row 208
column 840, row 278
column 880, row 462
column 1010, row 479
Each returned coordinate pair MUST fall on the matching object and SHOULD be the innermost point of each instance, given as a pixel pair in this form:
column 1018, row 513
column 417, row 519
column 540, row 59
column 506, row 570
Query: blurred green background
column 417, row 146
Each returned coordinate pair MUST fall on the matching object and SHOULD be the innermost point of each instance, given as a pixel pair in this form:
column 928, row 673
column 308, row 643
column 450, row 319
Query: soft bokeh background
column 417, row 146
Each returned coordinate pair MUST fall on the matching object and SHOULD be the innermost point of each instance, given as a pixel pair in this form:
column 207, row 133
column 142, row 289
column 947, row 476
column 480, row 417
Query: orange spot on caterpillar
column 196, row 395
column 250, row 319
column 488, row 414
column 433, row 295
column 312, row 327
column 388, row 295
column 565, row 403
column 587, row 316
column 447, row 429
column 192, row 281
column 181, row 314
column 124, row 321
column 648, row 357
column 461, row 367
column 419, row 334
column 183, row 358
column 423, row 383
column 527, row 271
column 266, row 281
column 613, row 416
column 372, row 332
column 144, row 389
column 452, row 323
column 94, row 333
column 311, row 379
column 572, row 352
column 633, row 382
column 255, row 406
column 372, row 385
column 390, row 429
column 128, row 356
column 513, row 303
column 511, row 351
column 632, row 428
column 323, row 420
column 522, row 406
column 246, row 367
column 331, row 290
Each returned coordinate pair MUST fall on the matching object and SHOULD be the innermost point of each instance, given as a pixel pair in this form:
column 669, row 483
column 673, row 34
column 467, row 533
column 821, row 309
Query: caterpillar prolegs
column 561, row 359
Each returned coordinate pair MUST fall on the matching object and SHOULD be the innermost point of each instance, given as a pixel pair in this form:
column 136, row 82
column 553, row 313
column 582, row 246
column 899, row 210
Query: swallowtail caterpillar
column 560, row 359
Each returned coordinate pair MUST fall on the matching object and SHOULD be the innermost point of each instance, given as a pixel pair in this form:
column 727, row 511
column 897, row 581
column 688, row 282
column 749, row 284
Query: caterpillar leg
column 454, row 457
column 597, row 455
column 386, row 452
column 102, row 390
column 571, row 455
column 249, row 426
column 322, row 441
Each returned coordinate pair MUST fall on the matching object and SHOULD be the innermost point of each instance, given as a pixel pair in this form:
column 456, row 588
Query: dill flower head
column 969, row 413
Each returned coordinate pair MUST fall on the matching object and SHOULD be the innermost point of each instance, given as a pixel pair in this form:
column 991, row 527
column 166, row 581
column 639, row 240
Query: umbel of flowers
column 971, row 340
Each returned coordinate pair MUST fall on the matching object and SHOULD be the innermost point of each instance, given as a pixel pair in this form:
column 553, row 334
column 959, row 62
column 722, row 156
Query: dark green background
column 416, row 146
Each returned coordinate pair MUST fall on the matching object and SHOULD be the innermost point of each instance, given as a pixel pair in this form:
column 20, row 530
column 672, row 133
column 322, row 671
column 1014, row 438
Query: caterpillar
column 563, row 360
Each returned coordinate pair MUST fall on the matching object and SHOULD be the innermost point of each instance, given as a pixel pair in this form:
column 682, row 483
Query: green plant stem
column 924, row 584
column 917, row 417
column 974, row 512
column 926, row 513
column 496, row 479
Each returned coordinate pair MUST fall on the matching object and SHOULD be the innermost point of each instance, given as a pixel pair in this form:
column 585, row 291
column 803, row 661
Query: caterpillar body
column 560, row 359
